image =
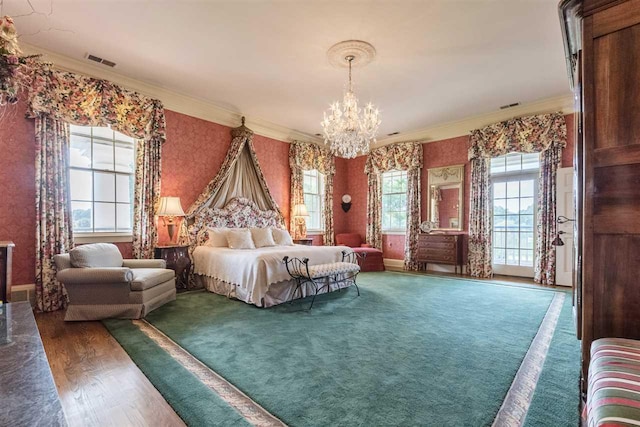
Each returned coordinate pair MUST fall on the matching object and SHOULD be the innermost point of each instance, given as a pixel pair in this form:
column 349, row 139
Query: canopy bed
column 237, row 203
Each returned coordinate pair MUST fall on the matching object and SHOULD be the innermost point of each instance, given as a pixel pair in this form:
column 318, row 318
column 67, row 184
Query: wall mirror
column 446, row 193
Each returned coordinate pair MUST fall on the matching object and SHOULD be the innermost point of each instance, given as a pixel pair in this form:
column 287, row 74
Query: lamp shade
column 300, row 210
column 170, row 206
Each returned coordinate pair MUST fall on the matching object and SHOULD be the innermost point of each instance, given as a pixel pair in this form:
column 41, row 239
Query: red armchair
column 373, row 260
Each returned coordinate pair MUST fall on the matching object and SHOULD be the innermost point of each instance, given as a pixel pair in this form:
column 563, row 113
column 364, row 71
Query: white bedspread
column 256, row 269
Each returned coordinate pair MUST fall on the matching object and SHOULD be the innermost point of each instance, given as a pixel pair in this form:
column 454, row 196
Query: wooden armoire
column 602, row 43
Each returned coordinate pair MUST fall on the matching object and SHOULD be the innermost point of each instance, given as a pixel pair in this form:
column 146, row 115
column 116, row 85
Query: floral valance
column 86, row 101
column 307, row 156
column 401, row 156
column 529, row 134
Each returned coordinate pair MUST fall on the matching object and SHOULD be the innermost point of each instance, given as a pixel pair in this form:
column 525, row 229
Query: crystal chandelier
column 348, row 130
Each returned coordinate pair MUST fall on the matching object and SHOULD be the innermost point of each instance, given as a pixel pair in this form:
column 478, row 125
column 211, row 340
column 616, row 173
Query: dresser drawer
column 439, row 238
column 439, row 245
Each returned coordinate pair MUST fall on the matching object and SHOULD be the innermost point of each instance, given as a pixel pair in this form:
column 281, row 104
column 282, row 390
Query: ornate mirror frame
column 446, row 178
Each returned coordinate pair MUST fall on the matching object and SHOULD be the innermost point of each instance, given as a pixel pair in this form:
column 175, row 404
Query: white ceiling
column 437, row 61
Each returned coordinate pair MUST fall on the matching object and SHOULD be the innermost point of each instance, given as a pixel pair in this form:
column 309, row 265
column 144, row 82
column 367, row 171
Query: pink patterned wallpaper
column 17, row 173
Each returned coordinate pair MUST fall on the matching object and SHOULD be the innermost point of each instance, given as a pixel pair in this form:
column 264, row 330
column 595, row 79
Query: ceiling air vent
column 101, row 60
column 504, row 107
column 393, row 133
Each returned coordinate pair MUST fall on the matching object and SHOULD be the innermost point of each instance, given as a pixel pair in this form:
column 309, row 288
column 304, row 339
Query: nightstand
column 177, row 258
column 306, row 241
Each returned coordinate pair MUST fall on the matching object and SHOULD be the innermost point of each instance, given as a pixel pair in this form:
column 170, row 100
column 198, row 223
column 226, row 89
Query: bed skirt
column 278, row 293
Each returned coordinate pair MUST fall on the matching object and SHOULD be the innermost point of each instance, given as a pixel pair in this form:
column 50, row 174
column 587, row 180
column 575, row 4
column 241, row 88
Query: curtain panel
column 86, row 101
column 55, row 100
column 405, row 156
column 544, row 133
column 53, row 209
column 306, row 156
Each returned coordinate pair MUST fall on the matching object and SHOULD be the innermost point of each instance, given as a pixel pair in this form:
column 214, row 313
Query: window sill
column 315, row 232
column 395, row 233
column 102, row 238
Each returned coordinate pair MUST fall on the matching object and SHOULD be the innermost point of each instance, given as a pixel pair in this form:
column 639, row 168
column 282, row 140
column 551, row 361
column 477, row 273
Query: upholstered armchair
column 100, row 284
column 373, row 260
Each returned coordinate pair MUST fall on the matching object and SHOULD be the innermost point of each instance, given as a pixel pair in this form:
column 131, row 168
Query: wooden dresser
column 440, row 249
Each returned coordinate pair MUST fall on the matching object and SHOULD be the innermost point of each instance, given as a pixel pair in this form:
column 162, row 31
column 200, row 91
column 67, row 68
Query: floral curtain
column 544, row 133
column 405, row 156
column 545, row 267
column 86, row 101
column 479, row 250
column 53, row 209
column 306, row 156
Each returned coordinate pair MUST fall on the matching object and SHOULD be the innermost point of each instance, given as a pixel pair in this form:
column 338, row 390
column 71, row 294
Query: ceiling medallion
column 348, row 130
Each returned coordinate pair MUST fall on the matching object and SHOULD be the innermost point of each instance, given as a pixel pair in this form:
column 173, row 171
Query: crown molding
column 462, row 127
column 172, row 100
column 209, row 111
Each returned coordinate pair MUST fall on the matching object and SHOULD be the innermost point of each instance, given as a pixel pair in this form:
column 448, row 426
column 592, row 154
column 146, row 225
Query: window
column 394, row 201
column 514, row 179
column 101, row 179
column 313, row 190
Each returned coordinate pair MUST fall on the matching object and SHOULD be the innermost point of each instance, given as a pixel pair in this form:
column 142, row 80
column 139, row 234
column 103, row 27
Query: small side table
column 177, row 258
column 306, row 241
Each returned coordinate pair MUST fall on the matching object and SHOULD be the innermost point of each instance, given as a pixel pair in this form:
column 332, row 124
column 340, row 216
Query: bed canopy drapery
column 239, row 188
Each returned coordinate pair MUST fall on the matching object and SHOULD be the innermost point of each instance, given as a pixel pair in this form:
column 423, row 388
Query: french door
column 514, row 215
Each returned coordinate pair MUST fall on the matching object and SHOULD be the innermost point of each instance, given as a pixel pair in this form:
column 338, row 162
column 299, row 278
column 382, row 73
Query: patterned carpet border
column 516, row 404
column 250, row 410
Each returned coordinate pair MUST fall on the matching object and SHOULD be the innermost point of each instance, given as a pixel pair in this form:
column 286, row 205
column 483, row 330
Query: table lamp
column 170, row 208
column 299, row 214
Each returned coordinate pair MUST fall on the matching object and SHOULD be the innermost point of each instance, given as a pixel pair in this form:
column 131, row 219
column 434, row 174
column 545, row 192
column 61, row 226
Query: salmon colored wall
column 191, row 156
column 17, row 172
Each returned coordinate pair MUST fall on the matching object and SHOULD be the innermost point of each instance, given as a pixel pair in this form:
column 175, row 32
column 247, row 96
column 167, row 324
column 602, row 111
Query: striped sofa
column 613, row 397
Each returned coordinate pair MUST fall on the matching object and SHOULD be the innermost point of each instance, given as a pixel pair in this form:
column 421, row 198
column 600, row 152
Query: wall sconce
column 558, row 241
column 299, row 214
column 346, row 202
column 170, row 208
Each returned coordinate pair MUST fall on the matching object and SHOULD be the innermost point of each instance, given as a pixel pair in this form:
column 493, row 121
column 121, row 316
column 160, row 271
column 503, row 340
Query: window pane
column 500, row 223
column 526, row 205
column 497, row 165
column 499, row 239
column 82, row 215
column 526, row 258
column 500, row 190
column 530, row 161
column 526, row 223
column 125, row 160
column 83, row 130
column 513, row 189
column 105, row 217
column 81, row 184
column 513, row 206
column 80, row 151
column 513, row 239
column 499, row 206
column 499, row 256
column 102, row 155
column 513, row 162
column 124, row 213
column 124, row 188
column 104, row 187
column 103, row 132
column 526, row 188
column 512, row 222
column 512, row 257
column 122, row 137
column 526, row 240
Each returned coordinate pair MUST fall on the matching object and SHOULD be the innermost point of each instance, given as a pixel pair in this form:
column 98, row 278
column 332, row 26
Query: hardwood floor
column 99, row 385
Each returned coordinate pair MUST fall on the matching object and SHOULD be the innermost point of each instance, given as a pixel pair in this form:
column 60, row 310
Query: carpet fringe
column 250, row 410
column 516, row 404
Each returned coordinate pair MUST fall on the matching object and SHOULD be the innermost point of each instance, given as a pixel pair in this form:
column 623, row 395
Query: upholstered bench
column 613, row 394
column 323, row 275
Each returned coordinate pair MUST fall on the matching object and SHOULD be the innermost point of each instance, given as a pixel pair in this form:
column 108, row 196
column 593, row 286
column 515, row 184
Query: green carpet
column 556, row 399
column 412, row 350
column 195, row 403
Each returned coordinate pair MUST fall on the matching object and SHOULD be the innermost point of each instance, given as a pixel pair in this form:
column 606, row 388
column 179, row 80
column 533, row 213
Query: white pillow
column 282, row 237
column 217, row 237
column 240, row 238
column 262, row 237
